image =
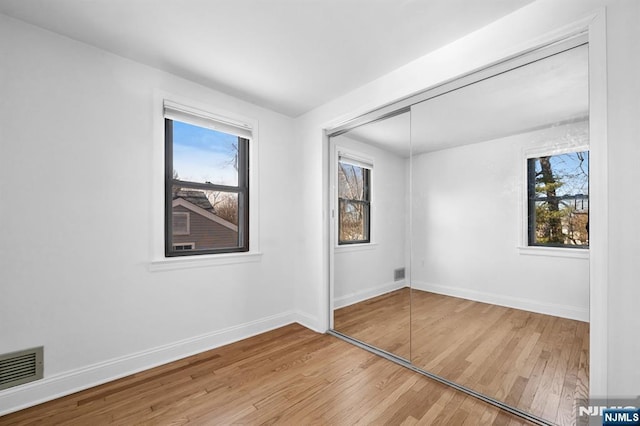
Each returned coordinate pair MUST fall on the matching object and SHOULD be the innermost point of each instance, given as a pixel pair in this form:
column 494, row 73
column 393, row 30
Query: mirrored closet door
column 460, row 232
column 370, row 191
column 500, row 236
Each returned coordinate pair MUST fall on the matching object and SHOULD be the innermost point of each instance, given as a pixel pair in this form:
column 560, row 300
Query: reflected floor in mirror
column 381, row 321
column 537, row 363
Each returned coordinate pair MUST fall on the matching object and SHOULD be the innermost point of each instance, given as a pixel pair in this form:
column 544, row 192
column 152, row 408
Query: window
column 206, row 183
column 354, row 201
column 558, row 200
column 183, row 246
column 180, row 223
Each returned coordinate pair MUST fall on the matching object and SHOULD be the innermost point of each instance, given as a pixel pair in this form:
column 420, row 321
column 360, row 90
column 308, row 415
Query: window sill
column 348, row 248
column 573, row 253
column 204, row 260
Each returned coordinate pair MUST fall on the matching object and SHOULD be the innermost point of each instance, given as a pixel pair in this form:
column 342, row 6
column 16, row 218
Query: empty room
column 320, row 212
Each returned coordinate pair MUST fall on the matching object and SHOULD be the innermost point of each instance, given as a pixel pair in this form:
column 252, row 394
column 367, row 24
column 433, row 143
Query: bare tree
column 562, row 216
column 224, row 205
column 351, row 197
column 233, row 161
column 227, row 208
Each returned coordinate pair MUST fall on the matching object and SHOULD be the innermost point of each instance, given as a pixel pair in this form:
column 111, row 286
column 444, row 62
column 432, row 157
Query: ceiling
column 286, row 55
column 391, row 134
column 544, row 93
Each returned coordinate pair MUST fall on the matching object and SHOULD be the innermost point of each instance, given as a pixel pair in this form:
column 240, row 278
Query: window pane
column 354, row 221
column 212, row 219
column 352, row 182
column 353, row 198
column 559, row 198
column 183, row 247
column 204, row 155
column 181, row 222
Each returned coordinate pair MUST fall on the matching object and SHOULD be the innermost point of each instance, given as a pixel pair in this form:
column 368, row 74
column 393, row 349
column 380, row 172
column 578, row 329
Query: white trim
column 202, row 212
column 572, row 253
column 599, row 206
column 349, row 248
column 348, row 156
column 157, row 259
column 359, row 296
column 69, row 382
column 329, row 239
column 203, row 260
column 563, row 311
column 355, row 160
column 202, row 118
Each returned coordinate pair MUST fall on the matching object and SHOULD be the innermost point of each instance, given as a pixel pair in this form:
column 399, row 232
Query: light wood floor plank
column 538, row 363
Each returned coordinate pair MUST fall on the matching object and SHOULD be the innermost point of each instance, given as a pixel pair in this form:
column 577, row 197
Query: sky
column 573, row 170
column 203, row 155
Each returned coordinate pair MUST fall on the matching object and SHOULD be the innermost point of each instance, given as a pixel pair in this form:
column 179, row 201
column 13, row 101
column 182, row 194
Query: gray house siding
column 205, row 233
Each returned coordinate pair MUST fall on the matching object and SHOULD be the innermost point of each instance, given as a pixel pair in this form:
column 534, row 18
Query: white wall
column 468, row 226
column 365, row 271
column 77, row 179
column 523, row 29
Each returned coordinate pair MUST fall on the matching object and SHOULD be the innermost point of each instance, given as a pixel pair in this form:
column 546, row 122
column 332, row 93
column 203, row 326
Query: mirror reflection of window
column 354, row 203
column 559, row 200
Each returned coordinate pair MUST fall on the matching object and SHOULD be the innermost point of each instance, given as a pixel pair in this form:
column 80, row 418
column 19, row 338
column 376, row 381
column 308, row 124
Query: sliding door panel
column 370, row 268
column 500, row 236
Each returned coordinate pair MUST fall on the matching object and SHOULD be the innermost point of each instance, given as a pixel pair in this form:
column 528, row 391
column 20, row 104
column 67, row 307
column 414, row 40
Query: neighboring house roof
column 202, row 212
column 197, row 198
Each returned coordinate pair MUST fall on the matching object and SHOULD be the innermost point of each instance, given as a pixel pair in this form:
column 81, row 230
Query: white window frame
column 158, row 260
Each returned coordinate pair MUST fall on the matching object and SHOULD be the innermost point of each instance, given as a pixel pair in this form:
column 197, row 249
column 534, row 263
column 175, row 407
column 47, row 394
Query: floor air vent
column 20, row 367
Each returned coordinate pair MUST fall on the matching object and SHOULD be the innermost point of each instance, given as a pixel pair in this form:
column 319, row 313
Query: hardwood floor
column 287, row 376
column 381, row 321
column 538, row 363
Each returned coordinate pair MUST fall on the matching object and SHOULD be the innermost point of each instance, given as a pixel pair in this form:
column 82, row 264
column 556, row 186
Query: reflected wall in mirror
column 499, row 241
column 369, row 172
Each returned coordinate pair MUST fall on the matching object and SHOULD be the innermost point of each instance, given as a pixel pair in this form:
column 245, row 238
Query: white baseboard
column 48, row 388
column 359, row 296
column 563, row 311
column 308, row 321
